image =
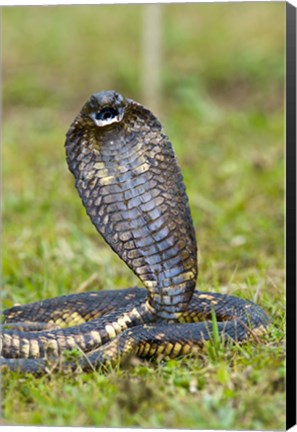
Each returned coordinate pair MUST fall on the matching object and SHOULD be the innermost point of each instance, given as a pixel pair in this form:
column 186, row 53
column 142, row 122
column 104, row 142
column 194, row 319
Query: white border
column 94, row 2
column 92, row 429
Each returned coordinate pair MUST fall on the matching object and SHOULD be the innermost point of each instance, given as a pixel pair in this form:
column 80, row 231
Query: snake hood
column 131, row 186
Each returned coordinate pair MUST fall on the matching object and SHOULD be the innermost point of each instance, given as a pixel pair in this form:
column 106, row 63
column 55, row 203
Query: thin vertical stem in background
column 151, row 57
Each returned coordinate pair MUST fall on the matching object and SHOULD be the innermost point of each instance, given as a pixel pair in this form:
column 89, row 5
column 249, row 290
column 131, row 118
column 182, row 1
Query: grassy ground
column 222, row 107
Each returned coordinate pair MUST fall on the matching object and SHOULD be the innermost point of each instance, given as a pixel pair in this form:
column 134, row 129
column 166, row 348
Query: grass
column 222, row 107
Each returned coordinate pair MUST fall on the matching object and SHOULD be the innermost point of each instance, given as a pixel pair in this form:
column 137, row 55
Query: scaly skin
column 131, row 185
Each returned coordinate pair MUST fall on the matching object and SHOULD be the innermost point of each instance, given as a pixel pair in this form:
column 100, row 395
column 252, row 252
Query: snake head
column 105, row 108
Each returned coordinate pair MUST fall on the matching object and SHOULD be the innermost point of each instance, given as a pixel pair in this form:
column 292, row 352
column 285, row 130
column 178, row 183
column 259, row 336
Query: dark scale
column 132, row 188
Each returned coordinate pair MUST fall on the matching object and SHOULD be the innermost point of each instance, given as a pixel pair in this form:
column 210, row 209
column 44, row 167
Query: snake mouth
column 107, row 116
column 105, row 108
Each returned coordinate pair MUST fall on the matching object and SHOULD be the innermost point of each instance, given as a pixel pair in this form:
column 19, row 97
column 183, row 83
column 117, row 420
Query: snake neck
column 133, row 191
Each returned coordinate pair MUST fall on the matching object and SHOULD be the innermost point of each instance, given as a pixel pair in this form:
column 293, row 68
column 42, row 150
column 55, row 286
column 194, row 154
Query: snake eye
column 106, row 114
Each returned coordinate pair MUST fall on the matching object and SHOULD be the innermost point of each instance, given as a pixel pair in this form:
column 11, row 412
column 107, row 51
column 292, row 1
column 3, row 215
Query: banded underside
column 114, row 336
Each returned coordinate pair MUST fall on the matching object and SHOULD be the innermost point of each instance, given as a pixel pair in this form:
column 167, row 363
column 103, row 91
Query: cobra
column 131, row 186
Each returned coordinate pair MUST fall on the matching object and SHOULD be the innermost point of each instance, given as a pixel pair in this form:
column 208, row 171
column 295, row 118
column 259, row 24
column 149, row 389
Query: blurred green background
column 222, row 106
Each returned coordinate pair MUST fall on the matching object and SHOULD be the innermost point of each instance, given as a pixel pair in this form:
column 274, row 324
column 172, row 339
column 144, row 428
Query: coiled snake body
column 130, row 183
